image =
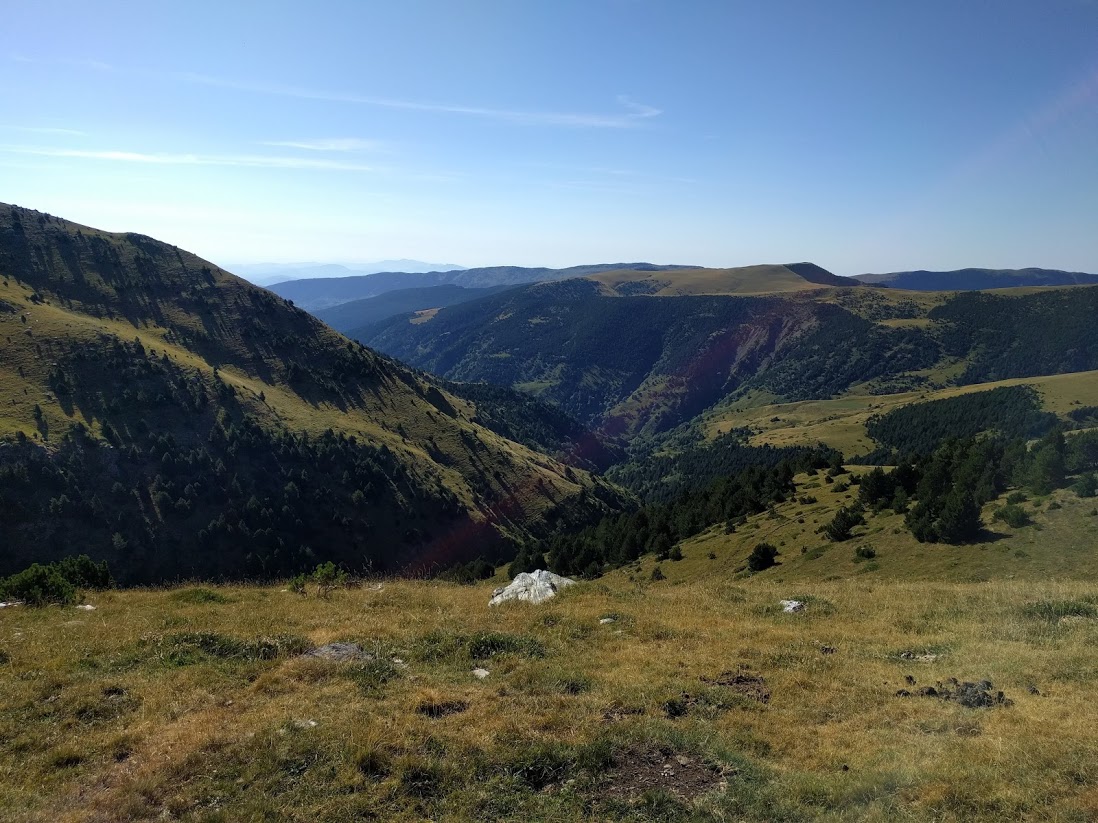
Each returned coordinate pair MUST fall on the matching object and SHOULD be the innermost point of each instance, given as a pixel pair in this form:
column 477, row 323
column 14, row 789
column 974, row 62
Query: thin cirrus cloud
column 44, row 130
column 168, row 159
column 634, row 113
column 338, row 144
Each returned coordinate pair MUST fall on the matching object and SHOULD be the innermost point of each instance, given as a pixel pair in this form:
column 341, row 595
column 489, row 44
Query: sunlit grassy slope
column 68, row 290
column 840, row 423
column 765, row 279
column 158, row 705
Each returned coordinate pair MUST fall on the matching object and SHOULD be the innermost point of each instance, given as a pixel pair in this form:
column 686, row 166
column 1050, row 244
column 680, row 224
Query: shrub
column 842, row 525
column 676, row 553
column 328, row 578
column 864, row 553
column 1087, row 486
column 1014, row 516
column 1016, row 497
column 38, row 586
column 657, row 574
column 85, row 573
column 763, row 556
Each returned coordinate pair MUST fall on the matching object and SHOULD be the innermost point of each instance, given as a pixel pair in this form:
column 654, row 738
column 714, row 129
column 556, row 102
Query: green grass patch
column 199, row 596
column 1055, row 610
column 442, row 646
column 189, row 648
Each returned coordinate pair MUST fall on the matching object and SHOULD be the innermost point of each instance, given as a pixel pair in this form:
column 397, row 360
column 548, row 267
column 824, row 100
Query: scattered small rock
column 925, row 657
column 979, row 695
column 87, row 607
column 909, row 680
column 790, row 606
column 827, row 650
column 11, row 603
column 480, row 674
column 1033, row 690
column 339, row 653
column 604, row 620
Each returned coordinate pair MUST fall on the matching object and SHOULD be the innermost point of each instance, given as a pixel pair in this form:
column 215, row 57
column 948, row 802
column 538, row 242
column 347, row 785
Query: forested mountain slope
column 637, row 364
column 645, row 363
column 175, row 420
column 355, row 315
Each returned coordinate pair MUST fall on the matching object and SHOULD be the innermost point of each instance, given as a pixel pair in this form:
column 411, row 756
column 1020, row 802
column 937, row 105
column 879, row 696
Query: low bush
column 1014, row 516
column 763, row 556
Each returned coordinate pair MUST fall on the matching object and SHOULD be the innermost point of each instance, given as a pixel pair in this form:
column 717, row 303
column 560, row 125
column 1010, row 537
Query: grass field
column 160, row 704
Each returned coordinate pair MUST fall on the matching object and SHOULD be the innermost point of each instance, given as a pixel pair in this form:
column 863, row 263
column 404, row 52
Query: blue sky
column 863, row 136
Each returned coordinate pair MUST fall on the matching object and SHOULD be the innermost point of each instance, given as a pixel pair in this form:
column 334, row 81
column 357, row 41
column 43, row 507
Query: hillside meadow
column 693, row 698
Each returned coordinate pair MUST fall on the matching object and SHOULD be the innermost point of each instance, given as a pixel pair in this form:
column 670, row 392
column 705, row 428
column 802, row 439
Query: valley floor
column 691, row 700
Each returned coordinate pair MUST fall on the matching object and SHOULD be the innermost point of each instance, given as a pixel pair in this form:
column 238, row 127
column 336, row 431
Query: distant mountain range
column 321, row 293
column 266, row 274
column 636, row 354
column 977, row 279
column 353, row 318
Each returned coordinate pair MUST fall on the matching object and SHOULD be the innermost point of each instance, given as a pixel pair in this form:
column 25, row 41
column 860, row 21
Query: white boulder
column 790, row 606
column 533, row 587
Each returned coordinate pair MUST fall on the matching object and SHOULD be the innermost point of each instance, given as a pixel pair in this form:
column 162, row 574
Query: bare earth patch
column 638, row 770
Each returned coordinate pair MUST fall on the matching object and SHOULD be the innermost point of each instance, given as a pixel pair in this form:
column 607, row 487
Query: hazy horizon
column 861, row 137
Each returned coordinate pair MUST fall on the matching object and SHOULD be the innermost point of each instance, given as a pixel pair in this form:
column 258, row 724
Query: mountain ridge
column 977, row 279
column 131, row 363
column 326, row 292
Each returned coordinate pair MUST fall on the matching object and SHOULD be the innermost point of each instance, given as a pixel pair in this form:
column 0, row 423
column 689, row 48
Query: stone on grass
column 87, row 607
column 604, row 620
column 480, row 674
column 534, row 587
column 339, row 653
column 790, row 606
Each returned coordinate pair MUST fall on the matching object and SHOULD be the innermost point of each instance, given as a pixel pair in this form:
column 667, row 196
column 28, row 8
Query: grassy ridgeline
column 192, row 703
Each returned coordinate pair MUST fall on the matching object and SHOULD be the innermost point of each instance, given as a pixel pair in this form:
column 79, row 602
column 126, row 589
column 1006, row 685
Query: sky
column 863, row 136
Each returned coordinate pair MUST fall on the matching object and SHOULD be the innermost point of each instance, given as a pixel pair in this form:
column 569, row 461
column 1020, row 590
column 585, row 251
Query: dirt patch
column 637, row 770
column 979, row 695
column 441, row 708
column 742, row 681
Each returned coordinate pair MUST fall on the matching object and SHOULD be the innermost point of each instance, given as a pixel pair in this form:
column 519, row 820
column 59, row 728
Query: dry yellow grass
column 764, row 279
column 99, row 723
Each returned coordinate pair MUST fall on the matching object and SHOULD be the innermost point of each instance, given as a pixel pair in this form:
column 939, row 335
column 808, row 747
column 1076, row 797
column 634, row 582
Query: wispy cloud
column 345, row 144
column 44, row 130
column 168, row 159
column 634, row 113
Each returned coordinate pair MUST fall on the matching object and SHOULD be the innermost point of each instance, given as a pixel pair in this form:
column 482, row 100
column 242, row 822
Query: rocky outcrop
column 533, row 587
